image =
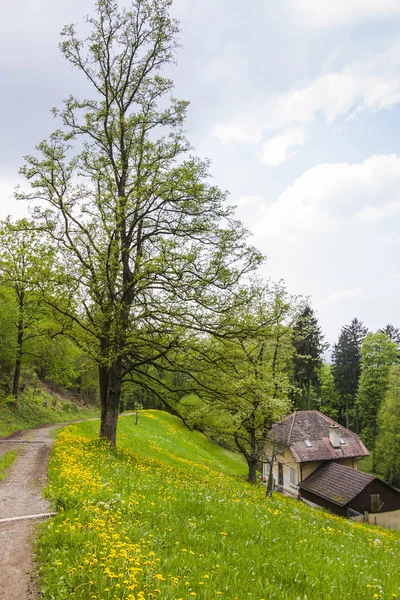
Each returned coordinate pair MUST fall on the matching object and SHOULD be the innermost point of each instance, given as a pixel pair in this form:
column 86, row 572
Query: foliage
column 378, row 355
column 346, row 358
column 37, row 407
column 328, row 400
column 147, row 247
column 387, row 444
column 393, row 333
column 24, row 267
column 309, row 346
column 167, row 516
column 243, row 380
column 6, row 462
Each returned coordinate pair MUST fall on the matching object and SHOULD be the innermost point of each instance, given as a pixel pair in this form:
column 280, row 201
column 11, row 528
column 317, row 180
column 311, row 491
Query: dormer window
column 308, row 443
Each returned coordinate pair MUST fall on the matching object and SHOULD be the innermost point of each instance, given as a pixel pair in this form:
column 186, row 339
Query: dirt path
column 21, row 495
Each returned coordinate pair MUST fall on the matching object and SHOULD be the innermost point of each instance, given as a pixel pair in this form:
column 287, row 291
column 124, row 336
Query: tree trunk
column 18, row 360
column 270, row 481
column 110, row 394
column 252, row 476
column 357, row 421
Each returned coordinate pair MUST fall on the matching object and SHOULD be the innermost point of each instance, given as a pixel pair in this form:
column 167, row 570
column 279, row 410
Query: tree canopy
column 146, row 247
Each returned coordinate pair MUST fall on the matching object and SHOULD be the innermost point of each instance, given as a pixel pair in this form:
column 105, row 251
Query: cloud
column 278, row 149
column 368, row 85
column 395, row 276
column 325, row 196
column 341, row 296
column 320, row 14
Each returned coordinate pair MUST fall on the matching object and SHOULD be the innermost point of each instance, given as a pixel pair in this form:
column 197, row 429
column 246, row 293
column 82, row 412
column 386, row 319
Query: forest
column 133, row 284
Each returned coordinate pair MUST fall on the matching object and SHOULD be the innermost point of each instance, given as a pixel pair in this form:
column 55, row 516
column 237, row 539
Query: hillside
column 169, row 515
column 36, row 406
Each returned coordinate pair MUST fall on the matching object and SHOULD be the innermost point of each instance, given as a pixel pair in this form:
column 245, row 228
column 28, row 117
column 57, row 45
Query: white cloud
column 278, row 149
column 328, row 194
column 370, row 85
column 320, row 13
column 244, row 127
column 395, row 276
column 341, row 296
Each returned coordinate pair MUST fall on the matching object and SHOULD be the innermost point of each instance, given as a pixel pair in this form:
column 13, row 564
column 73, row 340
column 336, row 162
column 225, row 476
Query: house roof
column 336, row 483
column 313, row 427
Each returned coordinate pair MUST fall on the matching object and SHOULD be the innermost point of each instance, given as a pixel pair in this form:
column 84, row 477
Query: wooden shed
column 341, row 488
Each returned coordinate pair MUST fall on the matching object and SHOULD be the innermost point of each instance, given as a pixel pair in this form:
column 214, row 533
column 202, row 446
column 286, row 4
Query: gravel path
column 21, row 495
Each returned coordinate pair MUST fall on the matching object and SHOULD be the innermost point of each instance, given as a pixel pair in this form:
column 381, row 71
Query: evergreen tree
column 387, row 444
column 378, row 355
column 392, row 332
column 346, row 358
column 309, row 346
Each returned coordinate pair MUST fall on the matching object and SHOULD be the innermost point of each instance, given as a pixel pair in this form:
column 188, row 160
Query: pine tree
column 309, row 346
column 346, row 358
column 392, row 332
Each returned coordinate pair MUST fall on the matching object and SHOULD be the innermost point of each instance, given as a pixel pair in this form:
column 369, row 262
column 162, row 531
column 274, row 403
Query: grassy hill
column 169, row 515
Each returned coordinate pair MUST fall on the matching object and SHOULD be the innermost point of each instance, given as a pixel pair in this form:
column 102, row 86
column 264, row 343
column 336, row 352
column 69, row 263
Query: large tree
column 346, row 359
column 309, row 347
column 147, row 247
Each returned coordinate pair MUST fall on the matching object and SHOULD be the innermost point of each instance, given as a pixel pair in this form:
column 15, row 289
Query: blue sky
column 297, row 104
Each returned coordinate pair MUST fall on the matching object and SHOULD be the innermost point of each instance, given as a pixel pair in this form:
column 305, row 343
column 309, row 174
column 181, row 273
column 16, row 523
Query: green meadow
column 169, row 515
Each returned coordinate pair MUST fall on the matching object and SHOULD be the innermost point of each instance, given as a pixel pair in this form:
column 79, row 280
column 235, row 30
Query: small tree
column 378, row 355
column 328, row 398
column 25, row 268
column 245, row 377
column 387, row 444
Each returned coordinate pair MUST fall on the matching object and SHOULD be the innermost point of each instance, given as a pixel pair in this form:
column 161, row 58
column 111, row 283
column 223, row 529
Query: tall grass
column 169, row 515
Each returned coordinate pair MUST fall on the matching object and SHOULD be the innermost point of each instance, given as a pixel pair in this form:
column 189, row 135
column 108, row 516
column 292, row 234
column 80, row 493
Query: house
column 303, row 442
column 346, row 492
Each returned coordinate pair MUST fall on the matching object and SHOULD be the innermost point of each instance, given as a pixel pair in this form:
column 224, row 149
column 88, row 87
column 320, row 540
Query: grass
column 38, row 408
column 6, row 462
column 169, row 516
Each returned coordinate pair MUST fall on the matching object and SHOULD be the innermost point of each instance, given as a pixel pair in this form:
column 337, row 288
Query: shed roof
column 336, row 483
column 313, row 426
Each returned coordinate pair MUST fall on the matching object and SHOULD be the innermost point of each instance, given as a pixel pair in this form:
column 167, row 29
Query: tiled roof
column 314, row 426
column 336, row 483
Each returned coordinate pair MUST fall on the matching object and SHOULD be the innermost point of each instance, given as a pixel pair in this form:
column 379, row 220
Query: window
column 341, row 440
column 292, row 476
column 308, row 443
column 267, row 468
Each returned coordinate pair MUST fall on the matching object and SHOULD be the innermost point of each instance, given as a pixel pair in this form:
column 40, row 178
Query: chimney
column 334, row 436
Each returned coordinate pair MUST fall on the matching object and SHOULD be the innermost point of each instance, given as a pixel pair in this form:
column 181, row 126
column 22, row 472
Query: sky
column 297, row 105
